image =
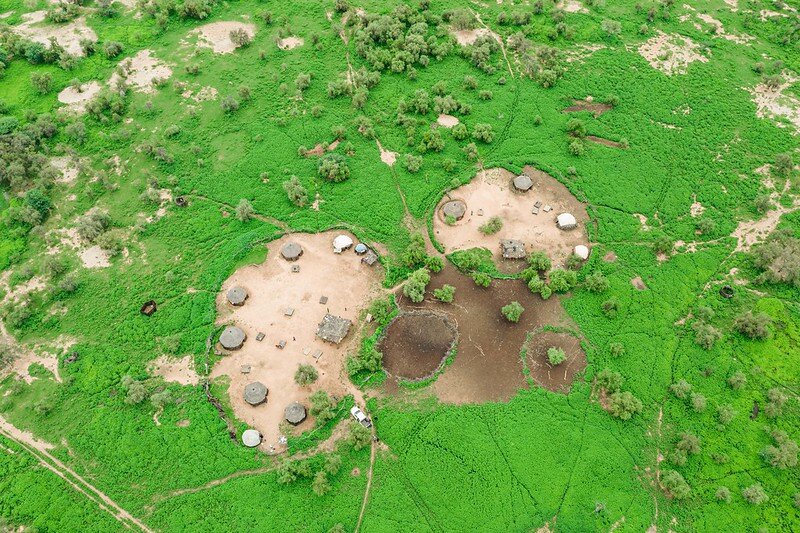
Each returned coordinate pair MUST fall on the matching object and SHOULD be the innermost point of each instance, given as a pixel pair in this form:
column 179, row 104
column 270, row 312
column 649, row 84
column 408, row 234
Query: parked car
column 360, row 417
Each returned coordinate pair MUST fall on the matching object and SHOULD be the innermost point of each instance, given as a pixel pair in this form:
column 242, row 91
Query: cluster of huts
column 331, row 329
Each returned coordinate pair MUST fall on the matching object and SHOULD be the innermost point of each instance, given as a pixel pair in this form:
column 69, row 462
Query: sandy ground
column 720, row 30
column 290, row 42
column 175, row 370
column 6, row 14
column 696, row 209
column 76, row 100
column 671, row 53
column 142, row 70
column 447, row 121
column 582, row 51
column 203, row 94
column 468, row 37
column 67, row 35
column 774, row 104
column 572, row 6
column 491, row 191
column 66, row 165
column 94, row 257
column 387, row 156
column 749, row 232
column 273, row 287
column 217, row 35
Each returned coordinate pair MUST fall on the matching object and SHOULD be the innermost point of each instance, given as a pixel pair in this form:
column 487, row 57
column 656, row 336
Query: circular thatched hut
column 251, row 438
column 237, row 296
column 291, row 251
column 255, row 393
column 566, row 221
column 232, row 338
column 455, row 209
column 294, row 413
column 523, row 183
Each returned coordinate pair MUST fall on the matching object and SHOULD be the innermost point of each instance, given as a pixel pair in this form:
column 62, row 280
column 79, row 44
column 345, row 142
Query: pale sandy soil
column 387, row 156
column 447, row 121
column 166, row 199
column 766, row 14
column 290, row 42
column 204, row 94
column 67, row 238
column 582, row 51
column 733, row 4
column 76, row 100
column 6, row 14
column 491, row 191
column 643, row 221
column 141, row 71
column 774, row 103
column 45, row 355
column 720, row 30
column 638, row 283
column 750, row 232
column 572, row 6
column 696, row 209
column 468, row 37
column 273, row 287
column 94, row 257
column 217, row 35
column 671, row 54
column 66, row 165
column 175, row 370
column 67, row 35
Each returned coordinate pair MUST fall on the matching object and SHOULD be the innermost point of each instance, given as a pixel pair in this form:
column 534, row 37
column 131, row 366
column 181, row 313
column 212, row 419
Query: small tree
column 563, row 280
column 414, row 288
column 754, row 326
column 723, row 494
column 244, row 210
column 737, row 380
column 681, row 389
column 322, row 408
column 513, row 311
column 556, row 356
column 492, row 226
column 725, row 414
column 295, row 191
column 333, row 168
column 229, row 104
column 414, row 254
column 305, row 375
column 482, row 279
column 596, row 282
column 42, row 82
column 698, row 402
column 612, row 28
column 240, row 37
column 624, row 405
column 754, row 494
column 359, row 436
column 609, row 380
column 674, row 483
column 540, row 261
column 321, row 485
column 445, row 294
column 483, row 133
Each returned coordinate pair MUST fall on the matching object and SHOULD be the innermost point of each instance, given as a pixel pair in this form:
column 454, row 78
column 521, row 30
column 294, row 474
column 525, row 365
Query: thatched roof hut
column 513, row 249
column 255, row 393
column 237, row 296
column 333, row 328
column 342, row 243
column 251, row 438
column 232, row 338
column 294, row 413
column 523, row 183
column 291, row 251
column 566, row 221
column 455, row 209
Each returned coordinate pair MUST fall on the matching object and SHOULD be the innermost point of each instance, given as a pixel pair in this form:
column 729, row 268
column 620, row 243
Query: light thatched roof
column 237, row 295
column 251, row 438
column 333, row 328
column 342, row 243
column 582, row 251
column 512, row 249
column 455, row 209
column 294, row 413
column 291, row 251
column 232, row 338
column 566, row 221
column 523, row 183
column 255, row 393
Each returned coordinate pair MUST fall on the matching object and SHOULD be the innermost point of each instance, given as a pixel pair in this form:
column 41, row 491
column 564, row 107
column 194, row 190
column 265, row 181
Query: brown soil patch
column 492, row 194
column 356, row 472
column 559, row 377
column 217, row 35
column 76, row 99
column 273, row 287
column 447, row 121
column 175, row 370
column 141, row 71
column 468, row 37
column 638, row 283
column 68, row 35
column 290, row 42
column 183, row 423
column 605, row 142
column 487, row 366
column 596, row 108
column 610, row 257
column 671, row 54
column 416, row 344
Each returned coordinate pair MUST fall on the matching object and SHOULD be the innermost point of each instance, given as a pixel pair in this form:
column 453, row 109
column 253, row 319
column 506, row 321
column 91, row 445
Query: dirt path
column 369, row 480
column 502, row 44
column 39, row 450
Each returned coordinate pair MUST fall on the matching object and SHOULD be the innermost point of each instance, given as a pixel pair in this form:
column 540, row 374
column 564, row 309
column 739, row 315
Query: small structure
column 523, row 183
column 726, row 292
column 566, row 221
column 289, row 311
column 295, row 268
column 237, row 296
column 582, row 251
column 323, row 300
column 361, row 248
column 370, row 258
column 245, row 369
column 341, row 243
column 260, row 336
column 333, row 328
column 291, row 251
column 232, row 338
column 255, row 393
column 148, row 308
column 513, row 249
column 180, row 201
column 294, row 413
column 251, row 438
column 455, row 209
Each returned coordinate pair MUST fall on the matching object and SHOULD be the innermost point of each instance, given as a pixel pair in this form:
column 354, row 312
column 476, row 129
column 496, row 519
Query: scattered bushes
column 305, row 375
column 333, row 168
column 491, row 226
column 783, row 454
column 513, row 311
column 779, row 259
column 754, row 326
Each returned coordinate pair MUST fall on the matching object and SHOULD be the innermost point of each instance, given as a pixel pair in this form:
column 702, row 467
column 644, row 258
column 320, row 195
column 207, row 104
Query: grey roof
column 455, row 209
column 523, row 183
column 291, row 251
column 333, row 328
column 513, row 249
column 294, row 413
column 251, row 438
column 361, row 248
column 369, row 258
column 255, row 393
column 232, row 338
column 237, row 295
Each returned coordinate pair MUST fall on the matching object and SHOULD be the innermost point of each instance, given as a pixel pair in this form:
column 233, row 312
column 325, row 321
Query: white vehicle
column 360, row 417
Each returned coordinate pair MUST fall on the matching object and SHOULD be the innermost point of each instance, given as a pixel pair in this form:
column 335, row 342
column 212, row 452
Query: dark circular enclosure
column 726, row 291
column 416, row 344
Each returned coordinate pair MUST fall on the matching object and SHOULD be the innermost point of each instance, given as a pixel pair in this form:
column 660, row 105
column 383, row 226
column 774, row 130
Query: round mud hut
column 342, row 243
column 232, row 338
column 566, row 221
column 291, row 251
column 251, row 438
column 237, row 296
column 255, row 393
column 523, row 183
column 455, row 209
column 294, row 413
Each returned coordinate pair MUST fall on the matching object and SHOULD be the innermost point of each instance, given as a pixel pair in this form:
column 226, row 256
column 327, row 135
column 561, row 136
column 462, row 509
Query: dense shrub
column 445, row 294
column 755, row 326
column 556, row 356
column 414, row 288
column 333, row 168
column 295, row 191
column 513, row 311
column 305, row 375
column 491, row 226
column 624, row 405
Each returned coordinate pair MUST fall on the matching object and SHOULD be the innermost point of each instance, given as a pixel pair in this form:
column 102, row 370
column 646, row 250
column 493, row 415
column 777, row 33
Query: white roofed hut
column 237, row 296
column 566, row 221
column 255, row 393
column 291, row 251
column 294, row 413
column 232, row 338
column 342, row 243
column 251, row 438
column 333, row 328
column 523, row 183
column 582, row 251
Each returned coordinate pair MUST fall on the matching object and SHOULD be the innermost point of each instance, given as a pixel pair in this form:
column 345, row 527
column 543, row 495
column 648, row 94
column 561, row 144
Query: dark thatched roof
column 455, row 209
column 513, row 249
column 333, row 328
column 232, row 338
column 291, row 251
column 237, row 295
column 255, row 393
column 294, row 413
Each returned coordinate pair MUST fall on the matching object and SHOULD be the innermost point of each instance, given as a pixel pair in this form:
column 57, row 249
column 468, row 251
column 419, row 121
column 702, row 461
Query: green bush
column 305, row 375
column 513, row 311
column 445, row 294
column 333, row 167
column 491, row 226
column 414, row 288
column 563, row 280
column 556, row 356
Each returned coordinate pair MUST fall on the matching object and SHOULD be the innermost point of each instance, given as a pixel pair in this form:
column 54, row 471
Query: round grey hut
column 291, row 251
column 255, row 393
column 294, row 413
column 237, row 296
column 455, row 209
column 523, row 183
column 232, row 338
column 251, row 438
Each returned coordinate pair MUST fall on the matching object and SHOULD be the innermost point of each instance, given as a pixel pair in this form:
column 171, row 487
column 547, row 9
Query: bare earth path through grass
column 369, row 480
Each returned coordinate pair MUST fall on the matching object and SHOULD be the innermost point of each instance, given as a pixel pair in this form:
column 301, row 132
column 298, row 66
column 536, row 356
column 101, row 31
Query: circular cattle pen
column 416, row 344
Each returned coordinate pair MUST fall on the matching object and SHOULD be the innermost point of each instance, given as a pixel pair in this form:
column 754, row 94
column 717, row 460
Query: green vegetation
column 556, row 356
column 513, row 311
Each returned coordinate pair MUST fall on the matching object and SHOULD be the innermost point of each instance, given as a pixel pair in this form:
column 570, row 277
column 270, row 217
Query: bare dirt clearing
column 558, row 377
column 77, row 98
column 68, row 168
column 387, row 157
column 571, row 6
column 416, row 344
column 68, row 35
column 290, row 42
column 217, row 35
column 588, row 104
column 773, row 103
column 175, row 370
column 273, row 288
column 447, row 121
column 94, row 257
column 491, row 194
column 468, row 37
column 142, row 71
column 671, row 53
